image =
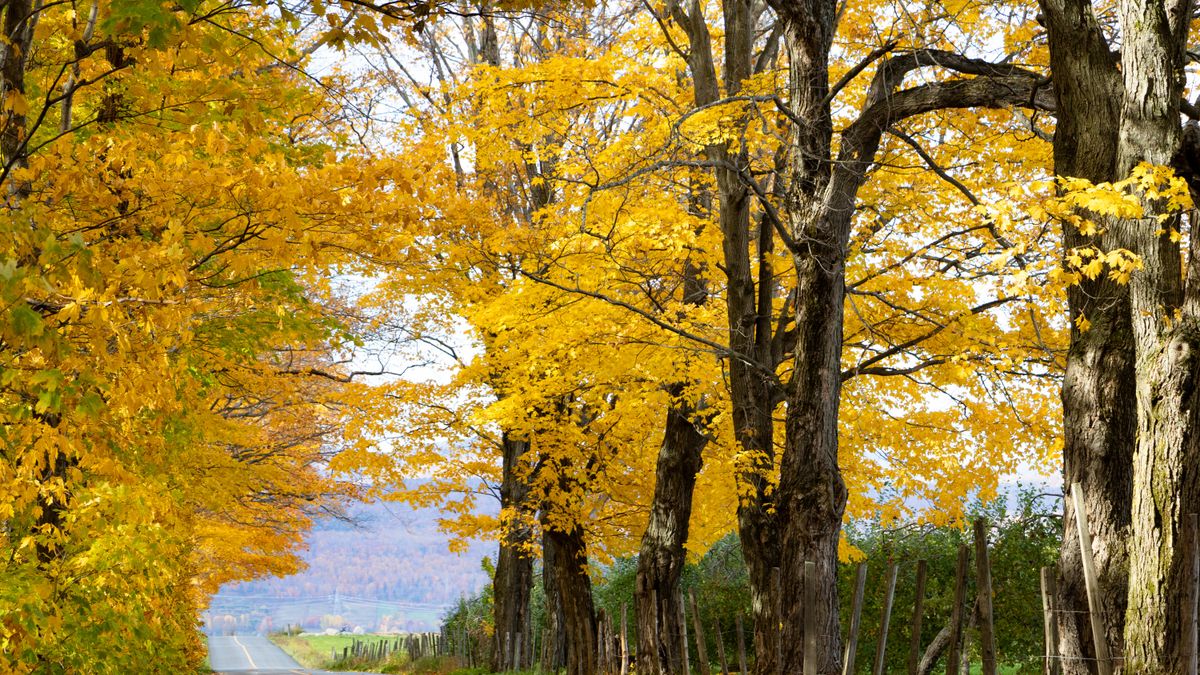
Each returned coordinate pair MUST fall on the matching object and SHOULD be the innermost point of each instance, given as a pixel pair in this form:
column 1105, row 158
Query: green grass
column 977, row 668
column 318, row 651
column 324, row 652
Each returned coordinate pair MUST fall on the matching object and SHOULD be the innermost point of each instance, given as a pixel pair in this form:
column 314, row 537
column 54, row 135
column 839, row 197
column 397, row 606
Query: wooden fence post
column 860, row 586
column 810, row 618
column 601, row 655
column 741, row 644
column 685, row 658
column 956, row 612
column 914, row 649
column 983, row 577
column 720, row 639
column 614, row 644
column 624, row 639
column 1104, row 664
column 1049, row 624
column 885, row 620
column 701, row 648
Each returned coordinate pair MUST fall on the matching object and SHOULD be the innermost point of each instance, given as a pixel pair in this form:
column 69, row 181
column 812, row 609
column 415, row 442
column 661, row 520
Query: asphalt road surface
column 252, row 654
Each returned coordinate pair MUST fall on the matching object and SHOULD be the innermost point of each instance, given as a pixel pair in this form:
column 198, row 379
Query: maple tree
column 173, row 351
column 688, row 268
column 1121, row 124
column 552, row 284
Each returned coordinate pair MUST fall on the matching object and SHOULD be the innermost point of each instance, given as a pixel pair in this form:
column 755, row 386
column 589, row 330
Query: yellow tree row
column 600, row 186
column 179, row 201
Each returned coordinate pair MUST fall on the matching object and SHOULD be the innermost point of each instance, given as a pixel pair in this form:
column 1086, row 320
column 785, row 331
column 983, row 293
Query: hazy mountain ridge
column 388, row 567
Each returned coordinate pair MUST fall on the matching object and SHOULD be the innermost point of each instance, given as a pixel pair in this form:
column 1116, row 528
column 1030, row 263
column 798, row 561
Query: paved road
column 252, row 654
column 248, row 653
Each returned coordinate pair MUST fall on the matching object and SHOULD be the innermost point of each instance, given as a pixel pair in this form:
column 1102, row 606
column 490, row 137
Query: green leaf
column 25, row 321
column 91, row 404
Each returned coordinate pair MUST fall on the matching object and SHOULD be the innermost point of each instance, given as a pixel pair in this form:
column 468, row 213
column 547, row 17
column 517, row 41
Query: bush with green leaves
column 1022, row 539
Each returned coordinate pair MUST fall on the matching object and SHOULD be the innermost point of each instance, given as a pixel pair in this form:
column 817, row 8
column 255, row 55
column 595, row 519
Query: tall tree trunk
column 812, row 494
column 1166, row 328
column 573, row 587
column 662, row 555
column 556, row 642
column 1099, row 411
column 19, row 21
column 753, row 396
column 513, row 582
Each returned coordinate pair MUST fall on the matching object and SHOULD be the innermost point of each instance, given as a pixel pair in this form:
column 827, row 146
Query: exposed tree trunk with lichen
column 1099, row 411
column 1166, row 329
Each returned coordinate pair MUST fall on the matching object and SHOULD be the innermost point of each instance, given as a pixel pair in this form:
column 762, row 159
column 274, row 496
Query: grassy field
column 324, row 652
column 317, row 651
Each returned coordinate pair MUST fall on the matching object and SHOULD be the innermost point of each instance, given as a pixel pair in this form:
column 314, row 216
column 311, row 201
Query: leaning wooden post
column 741, row 644
column 683, row 634
column 885, row 619
column 956, row 612
column 720, row 639
column 1049, row 624
column 914, row 647
column 1191, row 638
column 1104, row 664
column 601, row 656
column 860, row 586
column 701, row 648
column 614, row 644
column 624, row 639
column 983, row 576
column 810, row 618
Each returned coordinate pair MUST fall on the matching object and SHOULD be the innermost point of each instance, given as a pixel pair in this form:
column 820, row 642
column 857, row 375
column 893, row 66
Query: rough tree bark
column 513, row 581
column 567, row 573
column 556, row 643
column 820, row 200
column 1166, row 329
column 818, row 193
column 1099, row 412
column 662, row 555
column 749, row 312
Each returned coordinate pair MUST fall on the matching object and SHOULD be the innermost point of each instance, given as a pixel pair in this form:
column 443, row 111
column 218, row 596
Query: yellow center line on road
column 253, row 666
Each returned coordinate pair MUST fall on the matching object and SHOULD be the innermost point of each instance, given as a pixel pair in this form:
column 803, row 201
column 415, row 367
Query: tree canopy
column 647, row 274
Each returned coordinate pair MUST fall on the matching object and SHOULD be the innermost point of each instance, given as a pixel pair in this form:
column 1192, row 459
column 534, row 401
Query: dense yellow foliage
column 175, row 382
column 170, row 351
column 576, row 305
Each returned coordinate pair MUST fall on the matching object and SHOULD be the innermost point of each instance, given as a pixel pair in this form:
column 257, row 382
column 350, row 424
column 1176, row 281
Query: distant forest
column 387, row 552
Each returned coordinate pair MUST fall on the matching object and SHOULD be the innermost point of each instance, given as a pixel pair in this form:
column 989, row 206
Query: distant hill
column 388, row 569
